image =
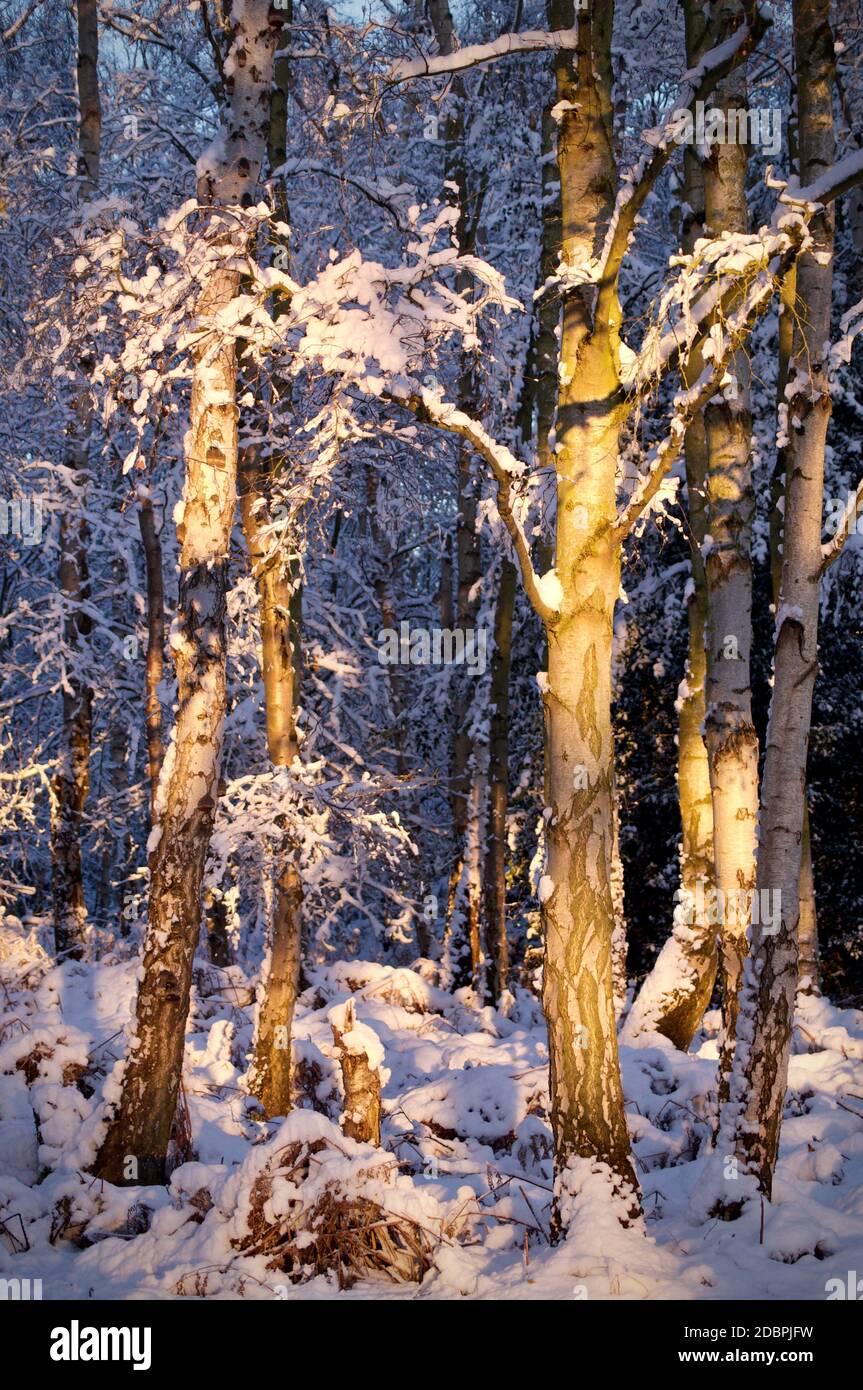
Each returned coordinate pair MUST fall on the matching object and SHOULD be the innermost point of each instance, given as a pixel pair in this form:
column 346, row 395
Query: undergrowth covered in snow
column 455, row 1202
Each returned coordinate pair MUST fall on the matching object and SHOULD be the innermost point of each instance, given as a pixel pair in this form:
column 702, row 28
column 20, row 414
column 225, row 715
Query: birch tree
column 752, row 1117
column 576, row 599
column 674, row 996
column 188, row 786
column 276, row 565
column 732, row 743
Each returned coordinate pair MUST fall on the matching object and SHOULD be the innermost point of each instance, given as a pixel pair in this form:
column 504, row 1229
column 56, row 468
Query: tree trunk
column 71, row 778
column 496, row 944
column 360, row 1074
column 136, row 1144
column 216, row 924
column 279, row 597
column 155, row 642
column 115, row 855
column 732, row 743
column 467, row 780
column 752, row 1117
column 587, row 1114
column 810, row 956
column 675, row 994
column 810, row 973
column 279, row 580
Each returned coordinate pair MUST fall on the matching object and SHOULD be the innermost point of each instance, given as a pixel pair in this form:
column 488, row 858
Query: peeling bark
column 732, row 743
column 136, row 1144
column 587, row 1114
column 752, row 1117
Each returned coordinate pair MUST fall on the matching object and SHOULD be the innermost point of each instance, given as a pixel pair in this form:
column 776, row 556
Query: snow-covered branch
column 716, row 347
column 706, row 289
column 474, row 54
column 430, row 408
column 697, row 84
column 708, row 282
column 836, row 181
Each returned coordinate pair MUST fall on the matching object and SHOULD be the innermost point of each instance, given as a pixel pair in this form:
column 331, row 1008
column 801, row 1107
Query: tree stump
column 360, row 1054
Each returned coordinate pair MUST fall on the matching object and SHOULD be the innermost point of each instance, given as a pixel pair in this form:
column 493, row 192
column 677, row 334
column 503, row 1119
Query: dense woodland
column 430, row 579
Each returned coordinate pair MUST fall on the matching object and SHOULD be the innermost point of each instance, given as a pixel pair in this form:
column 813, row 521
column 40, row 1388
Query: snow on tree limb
column 429, row 408
column 851, row 324
column 709, row 284
column 839, row 179
column 717, row 346
column 714, row 271
column 697, row 84
column 474, row 54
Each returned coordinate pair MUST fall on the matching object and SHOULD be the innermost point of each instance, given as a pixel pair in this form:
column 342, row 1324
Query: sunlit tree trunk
column 135, row 1146
column 72, row 774
column 732, row 743
column 277, row 569
column 280, row 619
column 587, row 1113
column 810, row 970
column 675, row 994
column 752, row 1117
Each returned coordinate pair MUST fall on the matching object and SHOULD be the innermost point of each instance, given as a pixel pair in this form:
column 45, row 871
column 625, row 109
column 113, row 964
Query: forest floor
column 459, row 1192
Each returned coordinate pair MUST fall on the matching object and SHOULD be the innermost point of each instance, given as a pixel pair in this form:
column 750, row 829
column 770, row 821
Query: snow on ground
column 464, row 1168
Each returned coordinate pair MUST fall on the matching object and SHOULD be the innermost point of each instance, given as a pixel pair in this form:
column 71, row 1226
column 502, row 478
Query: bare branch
column 505, row 467
column 18, row 24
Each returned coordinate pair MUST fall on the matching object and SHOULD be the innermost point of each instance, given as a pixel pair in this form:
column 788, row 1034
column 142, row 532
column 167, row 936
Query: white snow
column 466, row 1147
column 550, row 590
